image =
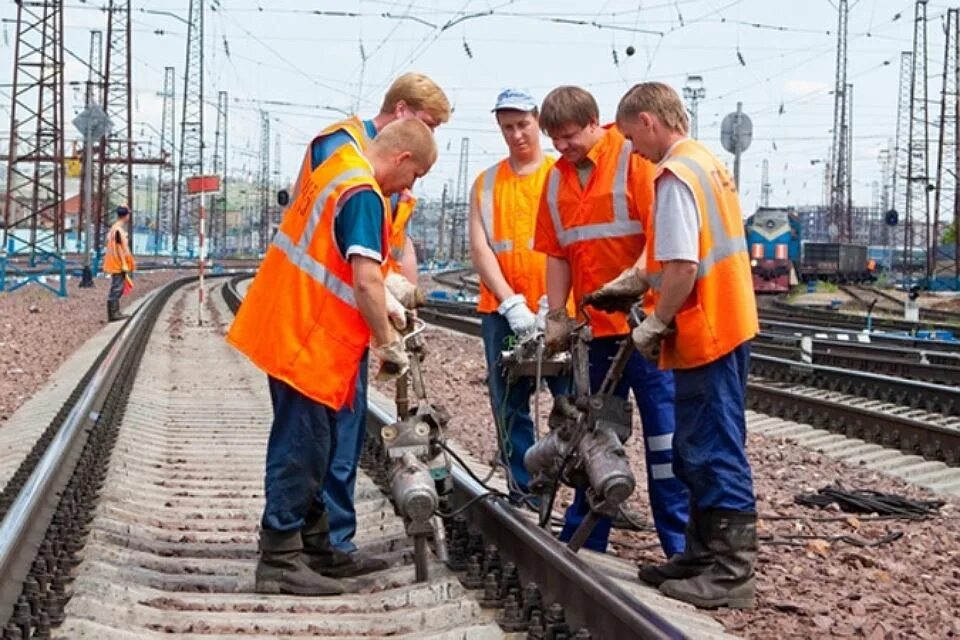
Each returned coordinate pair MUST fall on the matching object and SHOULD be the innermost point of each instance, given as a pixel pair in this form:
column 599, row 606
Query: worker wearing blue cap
column 503, row 212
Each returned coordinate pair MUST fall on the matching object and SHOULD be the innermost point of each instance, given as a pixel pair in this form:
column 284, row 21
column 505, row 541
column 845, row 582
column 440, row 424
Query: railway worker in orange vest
column 590, row 224
column 698, row 271
column 503, row 214
column 307, row 320
column 412, row 95
column 118, row 262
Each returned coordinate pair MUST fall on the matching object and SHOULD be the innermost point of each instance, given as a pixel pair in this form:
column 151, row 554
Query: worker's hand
column 393, row 360
column 521, row 320
column 405, row 291
column 395, row 311
column 647, row 335
column 557, row 330
column 621, row 292
column 543, row 308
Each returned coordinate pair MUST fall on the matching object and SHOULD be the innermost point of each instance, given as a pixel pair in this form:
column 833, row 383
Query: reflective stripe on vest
column 724, row 245
column 486, row 212
column 297, row 253
column 621, row 226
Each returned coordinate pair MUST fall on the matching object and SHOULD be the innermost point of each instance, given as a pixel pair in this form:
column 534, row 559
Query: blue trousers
column 710, row 443
column 511, row 406
column 669, row 501
column 338, row 490
column 298, row 454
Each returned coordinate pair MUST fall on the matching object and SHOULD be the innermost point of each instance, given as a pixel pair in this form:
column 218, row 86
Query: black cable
column 469, row 471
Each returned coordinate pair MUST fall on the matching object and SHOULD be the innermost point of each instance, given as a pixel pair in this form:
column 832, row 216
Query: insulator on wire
column 466, row 48
column 616, row 58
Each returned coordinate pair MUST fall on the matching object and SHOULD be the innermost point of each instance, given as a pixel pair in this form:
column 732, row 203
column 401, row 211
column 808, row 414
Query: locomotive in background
column 780, row 257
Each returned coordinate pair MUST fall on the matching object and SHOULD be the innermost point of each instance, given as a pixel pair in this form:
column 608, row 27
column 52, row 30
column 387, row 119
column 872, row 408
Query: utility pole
column 442, row 222
column 88, row 168
column 901, row 164
column 693, row 93
column 191, row 127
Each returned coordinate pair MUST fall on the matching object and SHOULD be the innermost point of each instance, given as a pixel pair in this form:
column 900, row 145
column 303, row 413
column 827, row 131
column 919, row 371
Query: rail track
column 916, row 416
column 137, row 518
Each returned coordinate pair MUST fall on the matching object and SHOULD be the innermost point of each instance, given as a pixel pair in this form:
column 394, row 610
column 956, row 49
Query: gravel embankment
column 39, row 330
column 809, row 588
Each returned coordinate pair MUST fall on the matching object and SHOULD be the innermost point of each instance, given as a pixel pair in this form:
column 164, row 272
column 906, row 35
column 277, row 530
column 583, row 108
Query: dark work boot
column 282, row 568
column 693, row 561
column 324, row 558
column 731, row 537
column 113, row 311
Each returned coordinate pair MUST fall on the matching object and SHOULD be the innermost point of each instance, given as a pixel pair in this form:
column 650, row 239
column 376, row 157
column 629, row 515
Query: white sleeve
column 676, row 221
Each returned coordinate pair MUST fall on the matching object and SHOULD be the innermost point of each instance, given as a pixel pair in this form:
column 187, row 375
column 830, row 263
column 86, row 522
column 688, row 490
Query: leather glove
column 647, row 335
column 393, row 360
column 543, row 308
column 521, row 320
column 405, row 291
column 557, row 332
column 621, row 292
column 395, row 311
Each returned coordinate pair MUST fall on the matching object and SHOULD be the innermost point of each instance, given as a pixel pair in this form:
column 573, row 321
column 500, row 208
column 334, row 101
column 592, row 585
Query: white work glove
column 393, row 360
column 556, row 334
column 543, row 307
column 395, row 311
column 647, row 335
column 521, row 320
column 403, row 290
column 621, row 292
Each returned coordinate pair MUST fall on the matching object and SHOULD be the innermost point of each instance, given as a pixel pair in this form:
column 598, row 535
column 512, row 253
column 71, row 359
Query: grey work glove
column 395, row 311
column 556, row 335
column 405, row 291
column 394, row 361
column 647, row 335
column 521, row 320
column 621, row 292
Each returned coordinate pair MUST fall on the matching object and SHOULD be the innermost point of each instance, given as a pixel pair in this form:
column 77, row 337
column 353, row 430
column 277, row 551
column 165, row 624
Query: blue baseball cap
column 515, row 99
column 122, row 210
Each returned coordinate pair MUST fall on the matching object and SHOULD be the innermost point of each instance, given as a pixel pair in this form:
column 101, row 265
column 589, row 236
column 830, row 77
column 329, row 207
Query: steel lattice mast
column 33, row 211
column 947, row 138
column 191, row 128
column 839, row 153
column 263, row 181
column 218, row 217
column 116, row 173
column 918, row 162
column 461, row 203
column 166, row 185
column 93, row 94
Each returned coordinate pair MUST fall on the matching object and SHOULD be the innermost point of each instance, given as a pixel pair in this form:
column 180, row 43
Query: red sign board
column 203, row 184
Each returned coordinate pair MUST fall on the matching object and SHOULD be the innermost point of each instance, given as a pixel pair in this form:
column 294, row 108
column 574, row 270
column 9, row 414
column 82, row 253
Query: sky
column 307, row 63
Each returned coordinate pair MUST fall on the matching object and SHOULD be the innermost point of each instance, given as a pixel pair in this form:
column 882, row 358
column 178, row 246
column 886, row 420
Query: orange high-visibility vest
column 721, row 312
column 299, row 321
column 508, row 205
column 398, row 216
column 118, row 257
column 599, row 229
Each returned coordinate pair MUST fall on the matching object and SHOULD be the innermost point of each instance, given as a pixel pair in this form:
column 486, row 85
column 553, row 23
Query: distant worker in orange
column 119, row 263
column 698, row 271
column 307, row 320
column 503, row 217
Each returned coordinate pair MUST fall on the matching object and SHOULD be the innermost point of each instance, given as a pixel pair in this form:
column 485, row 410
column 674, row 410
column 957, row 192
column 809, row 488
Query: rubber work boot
column 729, row 581
column 324, row 558
column 282, row 568
column 113, row 311
column 693, row 561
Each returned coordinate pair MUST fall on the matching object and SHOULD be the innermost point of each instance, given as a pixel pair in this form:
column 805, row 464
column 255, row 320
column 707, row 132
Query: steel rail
column 27, row 522
column 590, row 598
